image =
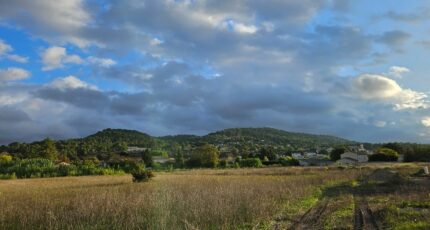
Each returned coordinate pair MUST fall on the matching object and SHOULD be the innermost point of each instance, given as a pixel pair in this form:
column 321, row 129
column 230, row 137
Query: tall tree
column 48, row 149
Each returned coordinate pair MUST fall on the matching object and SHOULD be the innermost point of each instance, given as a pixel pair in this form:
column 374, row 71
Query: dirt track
column 312, row 218
column 363, row 215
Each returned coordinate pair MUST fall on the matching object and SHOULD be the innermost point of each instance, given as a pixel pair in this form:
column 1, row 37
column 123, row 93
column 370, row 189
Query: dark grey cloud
column 11, row 115
column 199, row 66
column 417, row 16
column 395, row 39
column 79, row 97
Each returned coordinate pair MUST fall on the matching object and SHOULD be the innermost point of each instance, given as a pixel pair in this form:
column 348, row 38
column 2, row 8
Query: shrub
column 7, row 176
column 288, row 161
column 142, row 175
column 251, row 162
column 5, row 158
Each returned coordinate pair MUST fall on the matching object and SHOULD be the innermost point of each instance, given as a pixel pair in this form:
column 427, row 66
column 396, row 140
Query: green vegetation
column 141, row 175
column 384, row 154
column 40, row 167
column 250, row 163
column 119, row 149
column 204, row 156
column 335, row 153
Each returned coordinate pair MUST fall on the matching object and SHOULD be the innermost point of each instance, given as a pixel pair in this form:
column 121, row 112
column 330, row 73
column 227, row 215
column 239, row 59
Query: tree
column 48, row 149
column 179, row 160
column 120, row 146
column 268, row 153
column 335, row 153
column 384, row 154
column 147, row 158
column 204, row 156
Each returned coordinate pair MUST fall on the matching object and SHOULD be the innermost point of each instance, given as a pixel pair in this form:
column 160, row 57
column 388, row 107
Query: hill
column 131, row 137
column 260, row 136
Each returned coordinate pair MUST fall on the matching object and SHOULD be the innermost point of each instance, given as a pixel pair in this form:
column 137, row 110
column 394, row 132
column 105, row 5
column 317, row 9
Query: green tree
column 120, row 146
column 48, row 149
column 384, row 154
column 268, row 153
column 336, row 152
column 147, row 158
column 204, row 156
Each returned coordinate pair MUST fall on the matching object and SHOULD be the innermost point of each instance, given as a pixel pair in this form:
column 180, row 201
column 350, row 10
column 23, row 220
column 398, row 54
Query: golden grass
column 195, row 199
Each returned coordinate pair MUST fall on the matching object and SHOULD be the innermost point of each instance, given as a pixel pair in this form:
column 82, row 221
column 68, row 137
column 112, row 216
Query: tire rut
column 312, row 218
column 363, row 215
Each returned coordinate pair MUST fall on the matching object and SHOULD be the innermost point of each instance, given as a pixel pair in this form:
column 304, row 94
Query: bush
column 288, row 161
column 384, row 154
column 5, row 158
column 251, row 163
column 7, row 176
column 142, row 175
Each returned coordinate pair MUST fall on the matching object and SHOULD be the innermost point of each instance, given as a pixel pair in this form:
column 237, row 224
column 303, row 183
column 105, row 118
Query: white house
column 297, row 156
column 310, row 154
column 135, row 149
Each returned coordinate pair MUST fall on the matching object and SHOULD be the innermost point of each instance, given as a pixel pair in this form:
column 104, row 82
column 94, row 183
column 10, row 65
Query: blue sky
column 353, row 69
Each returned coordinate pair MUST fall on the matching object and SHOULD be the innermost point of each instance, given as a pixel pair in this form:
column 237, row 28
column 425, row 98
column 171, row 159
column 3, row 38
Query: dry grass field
column 267, row 198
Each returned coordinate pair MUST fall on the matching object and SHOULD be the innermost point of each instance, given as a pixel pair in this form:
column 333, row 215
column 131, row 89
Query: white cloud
column 17, row 58
column 5, row 50
column 4, row 47
column 104, row 62
column 369, row 86
column 58, row 20
column 55, row 57
column 244, row 29
column 13, row 74
column 380, row 124
column 70, row 82
column 398, row 71
column 378, row 87
column 238, row 27
column 426, row 121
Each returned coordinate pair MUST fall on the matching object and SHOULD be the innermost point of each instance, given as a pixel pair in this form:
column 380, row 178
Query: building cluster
column 353, row 155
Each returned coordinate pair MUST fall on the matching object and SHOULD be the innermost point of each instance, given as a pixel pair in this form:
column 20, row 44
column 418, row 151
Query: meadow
column 266, row 198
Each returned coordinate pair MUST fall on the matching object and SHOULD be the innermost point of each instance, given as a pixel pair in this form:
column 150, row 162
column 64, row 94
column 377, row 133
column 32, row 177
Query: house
column 310, row 154
column 135, row 149
column 297, row 156
column 355, row 155
column 162, row 160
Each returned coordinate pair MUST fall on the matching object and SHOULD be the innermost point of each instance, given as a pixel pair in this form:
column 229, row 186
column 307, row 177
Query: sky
column 353, row 69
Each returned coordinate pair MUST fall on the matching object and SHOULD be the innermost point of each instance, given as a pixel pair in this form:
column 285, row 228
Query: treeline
column 208, row 156
column 39, row 167
column 411, row 151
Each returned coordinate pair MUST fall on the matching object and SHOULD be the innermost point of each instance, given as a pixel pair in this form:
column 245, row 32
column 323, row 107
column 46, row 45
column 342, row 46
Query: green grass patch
column 341, row 218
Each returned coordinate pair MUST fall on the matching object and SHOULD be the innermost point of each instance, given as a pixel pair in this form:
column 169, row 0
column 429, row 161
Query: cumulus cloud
column 425, row 121
column 199, row 66
column 55, row 57
column 103, row 62
column 70, row 82
column 4, row 47
column 398, row 71
column 63, row 22
column 5, row 51
column 13, row 74
column 378, row 87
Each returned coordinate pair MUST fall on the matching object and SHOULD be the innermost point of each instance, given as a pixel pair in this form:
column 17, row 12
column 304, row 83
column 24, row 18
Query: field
column 267, row 198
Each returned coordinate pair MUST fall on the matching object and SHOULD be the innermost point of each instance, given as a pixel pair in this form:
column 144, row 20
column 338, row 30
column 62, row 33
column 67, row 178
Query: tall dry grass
column 196, row 199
